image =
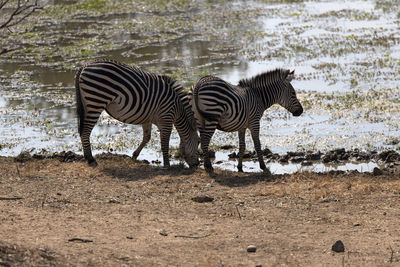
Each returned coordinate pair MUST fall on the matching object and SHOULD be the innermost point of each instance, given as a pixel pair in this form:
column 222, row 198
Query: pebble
column 164, row 233
column 251, row 248
column 202, row 199
column 226, row 147
column 338, row 246
column 377, row 171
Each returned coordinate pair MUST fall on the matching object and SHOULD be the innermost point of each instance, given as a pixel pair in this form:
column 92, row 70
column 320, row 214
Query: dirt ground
column 131, row 214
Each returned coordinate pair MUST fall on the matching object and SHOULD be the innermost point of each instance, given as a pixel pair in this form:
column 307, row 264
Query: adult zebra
column 221, row 105
column 134, row 96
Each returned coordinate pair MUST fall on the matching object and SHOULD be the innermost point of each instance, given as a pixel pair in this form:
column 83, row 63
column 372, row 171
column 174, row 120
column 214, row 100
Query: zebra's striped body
column 134, row 96
column 221, row 105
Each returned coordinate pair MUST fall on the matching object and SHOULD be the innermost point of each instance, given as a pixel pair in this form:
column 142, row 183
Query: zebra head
column 189, row 149
column 288, row 98
column 186, row 127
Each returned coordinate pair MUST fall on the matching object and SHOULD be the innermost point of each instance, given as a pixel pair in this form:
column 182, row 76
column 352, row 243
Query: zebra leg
column 165, row 134
column 242, row 148
column 205, row 137
column 255, row 134
column 88, row 123
column 146, row 138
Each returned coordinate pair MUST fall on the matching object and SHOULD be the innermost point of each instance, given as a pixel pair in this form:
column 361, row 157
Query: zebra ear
column 290, row 76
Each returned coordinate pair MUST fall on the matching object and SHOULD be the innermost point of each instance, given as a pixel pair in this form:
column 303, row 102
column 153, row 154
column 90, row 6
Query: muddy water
column 346, row 55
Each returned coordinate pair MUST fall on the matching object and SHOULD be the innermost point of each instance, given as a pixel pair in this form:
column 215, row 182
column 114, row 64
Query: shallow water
column 346, row 55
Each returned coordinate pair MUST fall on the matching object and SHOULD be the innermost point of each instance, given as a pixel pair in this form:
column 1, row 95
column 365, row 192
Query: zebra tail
column 79, row 105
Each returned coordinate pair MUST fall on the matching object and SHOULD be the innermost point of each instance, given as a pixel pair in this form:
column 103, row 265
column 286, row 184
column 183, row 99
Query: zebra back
column 265, row 79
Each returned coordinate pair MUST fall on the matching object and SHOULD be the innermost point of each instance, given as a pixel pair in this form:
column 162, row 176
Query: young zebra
column 221, row 105
column 134, row 96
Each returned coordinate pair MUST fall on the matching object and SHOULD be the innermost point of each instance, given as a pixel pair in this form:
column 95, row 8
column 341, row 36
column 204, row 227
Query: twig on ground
column 191, row 236
column 391, row 254
column 240, row 217
column 82, row 240
column 16, row 165
column 10, row 198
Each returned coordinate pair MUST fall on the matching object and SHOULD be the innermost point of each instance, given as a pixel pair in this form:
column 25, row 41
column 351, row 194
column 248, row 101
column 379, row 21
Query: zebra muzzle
column 298, row 112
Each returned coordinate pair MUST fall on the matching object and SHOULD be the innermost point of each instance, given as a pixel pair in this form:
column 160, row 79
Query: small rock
column 395, row 141
column 164, row 233
column 313, row 156
column 297, row 159
column 274, row 156
column 251, row 248
column 389, row 156
column 344, row 156
column 357, row 224
column 377, row 171
column 211, row 154
column 227, row 147
column 283, row 160
column 330, row 157
column 267, row 152
column 295, row 154
column 338, row 246
column 23, row 156
column 248, row 155
column 232, row 155
column 202, row 199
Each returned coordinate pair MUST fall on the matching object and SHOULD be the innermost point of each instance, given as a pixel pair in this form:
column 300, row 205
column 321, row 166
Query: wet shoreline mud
column 387, row 161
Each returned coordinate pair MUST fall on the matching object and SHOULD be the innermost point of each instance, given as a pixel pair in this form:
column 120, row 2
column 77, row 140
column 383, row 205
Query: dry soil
column 132, row 214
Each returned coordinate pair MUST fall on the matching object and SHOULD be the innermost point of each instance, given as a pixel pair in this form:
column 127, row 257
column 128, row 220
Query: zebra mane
column 265, row 78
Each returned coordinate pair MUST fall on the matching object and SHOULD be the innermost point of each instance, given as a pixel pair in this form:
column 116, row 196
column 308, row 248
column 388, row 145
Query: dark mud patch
column 16, row 255
column 388, row 161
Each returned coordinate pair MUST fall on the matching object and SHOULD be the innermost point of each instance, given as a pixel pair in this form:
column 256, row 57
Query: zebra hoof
column 267, row 171
column 92, row 163
column 240, row 169
column 134, row 157
column 212, row 174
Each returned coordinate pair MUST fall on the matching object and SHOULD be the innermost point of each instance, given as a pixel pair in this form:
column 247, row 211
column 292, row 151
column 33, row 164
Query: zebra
column 223, row 106
column 132, row 95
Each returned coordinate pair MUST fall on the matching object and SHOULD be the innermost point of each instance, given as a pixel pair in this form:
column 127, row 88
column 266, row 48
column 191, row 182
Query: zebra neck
column 267, row 96
column 182, row 121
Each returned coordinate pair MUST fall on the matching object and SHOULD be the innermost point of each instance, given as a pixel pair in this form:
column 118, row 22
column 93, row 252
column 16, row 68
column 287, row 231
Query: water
column 346, row 57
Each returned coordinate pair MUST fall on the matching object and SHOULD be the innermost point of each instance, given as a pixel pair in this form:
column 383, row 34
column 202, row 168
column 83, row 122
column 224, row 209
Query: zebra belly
column 230, row 127
column 119, row 111
column 230, row 122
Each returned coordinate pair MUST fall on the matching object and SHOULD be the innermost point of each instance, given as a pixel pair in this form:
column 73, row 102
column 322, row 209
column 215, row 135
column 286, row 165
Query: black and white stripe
column 134, row 96
column 221, row 105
